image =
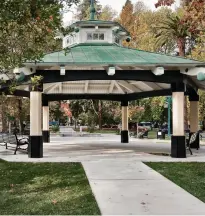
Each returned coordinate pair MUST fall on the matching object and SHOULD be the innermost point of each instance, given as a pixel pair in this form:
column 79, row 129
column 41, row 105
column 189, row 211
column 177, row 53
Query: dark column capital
column 124, row 103
column 44, row 102
column 178, row 87
column 194, row 97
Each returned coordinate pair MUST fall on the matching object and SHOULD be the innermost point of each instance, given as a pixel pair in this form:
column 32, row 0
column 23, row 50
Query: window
column 101, row 36
column 95, row 36
column 89, row 36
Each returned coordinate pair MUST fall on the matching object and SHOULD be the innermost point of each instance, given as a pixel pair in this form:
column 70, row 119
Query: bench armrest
column 24, row 138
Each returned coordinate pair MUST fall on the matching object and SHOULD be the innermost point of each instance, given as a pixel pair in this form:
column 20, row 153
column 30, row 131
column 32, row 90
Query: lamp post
column 168, row 105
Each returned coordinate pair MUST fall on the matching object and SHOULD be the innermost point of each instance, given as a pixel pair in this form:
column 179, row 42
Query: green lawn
column 45, row 189
column 190, row 176
column 153, row 135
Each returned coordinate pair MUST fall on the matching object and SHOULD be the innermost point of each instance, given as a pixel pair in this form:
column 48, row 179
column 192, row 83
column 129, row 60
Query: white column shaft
column 35, row 113
column 45, row 118
column 124, row 118
column 194, row 116
column 178, row 113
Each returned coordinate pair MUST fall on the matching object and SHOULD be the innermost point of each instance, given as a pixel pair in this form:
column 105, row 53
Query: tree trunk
column 3, row 116
column 181, row 45
column 100, row 114
column 21, row 128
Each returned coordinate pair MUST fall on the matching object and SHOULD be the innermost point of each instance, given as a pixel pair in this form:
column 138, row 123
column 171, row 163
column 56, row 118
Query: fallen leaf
column 54, row 202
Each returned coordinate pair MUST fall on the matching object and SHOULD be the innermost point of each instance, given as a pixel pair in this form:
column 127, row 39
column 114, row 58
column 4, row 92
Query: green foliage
column 107, row 13
column 157, row 108
column 55, row 128
column 35, row 81
column 172, row 31
column 27, row 30
column 55, row 112
column 201, row 105
column 83, row 10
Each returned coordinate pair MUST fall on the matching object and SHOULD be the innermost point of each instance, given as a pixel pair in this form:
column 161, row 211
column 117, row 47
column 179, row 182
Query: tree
column 140, row 7
column 136, row 113
column 172, row 29
column 194, row 14
column 28, row 28
column 56, row 113
column 126, row 18
column 107, row 13
column 13, row 111
column 83, row 10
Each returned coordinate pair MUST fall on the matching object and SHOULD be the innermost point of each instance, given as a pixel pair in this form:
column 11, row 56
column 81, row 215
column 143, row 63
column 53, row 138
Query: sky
column 117, row 5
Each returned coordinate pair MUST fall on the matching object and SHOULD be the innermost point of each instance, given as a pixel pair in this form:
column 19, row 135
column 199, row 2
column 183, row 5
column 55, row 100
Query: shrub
column 55, row 128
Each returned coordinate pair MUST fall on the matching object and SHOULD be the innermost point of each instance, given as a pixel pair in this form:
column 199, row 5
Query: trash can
column 160, row 134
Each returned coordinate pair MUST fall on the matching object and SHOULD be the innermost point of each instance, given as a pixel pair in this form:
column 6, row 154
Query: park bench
column 191, row 140
column 2, row 141
column 12, row 139
column 66, row 131
column 140, row 135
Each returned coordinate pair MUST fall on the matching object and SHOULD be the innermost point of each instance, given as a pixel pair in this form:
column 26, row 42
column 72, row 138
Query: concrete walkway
column 131, row 188
column 120, row 180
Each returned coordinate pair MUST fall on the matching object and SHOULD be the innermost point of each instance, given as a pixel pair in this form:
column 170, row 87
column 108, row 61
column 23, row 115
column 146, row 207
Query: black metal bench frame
column 141, row 135
column 12, row 139
column 190, row 140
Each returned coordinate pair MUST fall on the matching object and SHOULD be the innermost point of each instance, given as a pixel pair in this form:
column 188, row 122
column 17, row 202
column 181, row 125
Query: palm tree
column 173, row 29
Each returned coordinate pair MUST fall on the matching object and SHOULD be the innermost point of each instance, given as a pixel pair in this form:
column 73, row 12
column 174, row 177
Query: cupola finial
column 92, row 10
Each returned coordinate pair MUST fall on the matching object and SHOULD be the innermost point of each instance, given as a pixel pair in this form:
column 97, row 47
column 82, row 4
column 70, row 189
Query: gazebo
column 94, row 65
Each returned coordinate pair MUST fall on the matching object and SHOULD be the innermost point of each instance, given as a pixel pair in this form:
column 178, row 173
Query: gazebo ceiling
column 103, row 87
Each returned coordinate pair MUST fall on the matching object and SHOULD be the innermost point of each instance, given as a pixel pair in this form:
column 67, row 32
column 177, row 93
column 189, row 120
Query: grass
column 45, row 189
column 189, row 176
column 153, row 135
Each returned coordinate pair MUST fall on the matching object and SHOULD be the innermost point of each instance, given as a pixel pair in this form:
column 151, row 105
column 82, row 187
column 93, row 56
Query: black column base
column 124, row 137
column 46, row 136
column 178, row 147
column 195, row 144
column 35, row 147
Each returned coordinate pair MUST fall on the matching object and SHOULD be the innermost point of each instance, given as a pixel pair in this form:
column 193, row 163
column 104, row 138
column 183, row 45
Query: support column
column 124, row 131
column 35, row 148
column 194, row 118
column 178, row 146
column 46, row 132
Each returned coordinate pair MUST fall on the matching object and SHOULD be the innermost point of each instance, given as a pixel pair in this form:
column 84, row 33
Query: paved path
column 124, row 187
column 120, row 181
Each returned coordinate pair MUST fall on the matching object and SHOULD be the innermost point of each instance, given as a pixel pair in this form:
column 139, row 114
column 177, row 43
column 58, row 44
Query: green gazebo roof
column 111, row 54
